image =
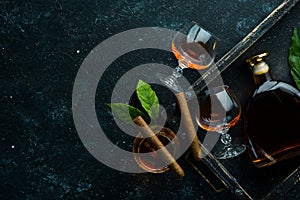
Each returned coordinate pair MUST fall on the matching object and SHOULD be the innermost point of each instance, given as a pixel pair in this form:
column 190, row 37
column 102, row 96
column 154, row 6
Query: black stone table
column 44, row 43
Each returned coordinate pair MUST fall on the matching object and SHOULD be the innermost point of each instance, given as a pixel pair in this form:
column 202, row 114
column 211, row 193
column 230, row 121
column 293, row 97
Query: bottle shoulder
column 272, row 85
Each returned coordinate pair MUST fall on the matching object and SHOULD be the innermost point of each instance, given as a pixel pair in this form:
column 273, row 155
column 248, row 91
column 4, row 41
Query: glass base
column 230, row 151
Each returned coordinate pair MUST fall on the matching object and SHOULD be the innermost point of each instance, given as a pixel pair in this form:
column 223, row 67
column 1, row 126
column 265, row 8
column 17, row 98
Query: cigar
column 189, row 126
column 166, row 156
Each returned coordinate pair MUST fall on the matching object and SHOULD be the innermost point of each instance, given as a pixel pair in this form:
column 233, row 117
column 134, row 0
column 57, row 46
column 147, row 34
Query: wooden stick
column 189, row 126
column 166, row 156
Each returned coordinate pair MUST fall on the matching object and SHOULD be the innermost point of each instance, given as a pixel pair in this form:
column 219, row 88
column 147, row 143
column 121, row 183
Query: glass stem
column 225, row 137
column 177, row 72
column 172, row 80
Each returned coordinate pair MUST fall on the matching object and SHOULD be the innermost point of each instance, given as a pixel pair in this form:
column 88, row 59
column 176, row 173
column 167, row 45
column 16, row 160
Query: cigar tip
column 198, row 156
column 181, row 175
column 178, row 172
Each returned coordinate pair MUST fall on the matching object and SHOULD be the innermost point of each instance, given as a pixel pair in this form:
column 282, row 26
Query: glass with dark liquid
column 145, row 153
column 220, row 110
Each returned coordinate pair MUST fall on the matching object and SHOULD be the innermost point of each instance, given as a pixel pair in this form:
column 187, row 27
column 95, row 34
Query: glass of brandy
column 195, row 48
column 220, row 110
column 145, row 153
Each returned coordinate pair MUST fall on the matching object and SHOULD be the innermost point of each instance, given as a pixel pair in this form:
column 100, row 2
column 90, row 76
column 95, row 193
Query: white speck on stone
column 10, row 97
column 78, row 51
column 12, row 146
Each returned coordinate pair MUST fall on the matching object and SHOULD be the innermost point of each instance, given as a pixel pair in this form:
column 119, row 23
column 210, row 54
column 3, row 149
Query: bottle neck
column 261, row 73
column 260, row 79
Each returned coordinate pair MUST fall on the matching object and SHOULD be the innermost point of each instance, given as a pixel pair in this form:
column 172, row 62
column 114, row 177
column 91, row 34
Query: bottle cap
column 252, row 61
column 258, row 63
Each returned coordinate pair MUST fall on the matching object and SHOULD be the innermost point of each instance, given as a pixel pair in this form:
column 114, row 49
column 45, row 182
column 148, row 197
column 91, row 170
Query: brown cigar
column 147, row 132
column 189, row 126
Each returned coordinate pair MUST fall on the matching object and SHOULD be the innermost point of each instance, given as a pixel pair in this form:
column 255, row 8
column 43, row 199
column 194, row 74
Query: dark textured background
column 43, row 44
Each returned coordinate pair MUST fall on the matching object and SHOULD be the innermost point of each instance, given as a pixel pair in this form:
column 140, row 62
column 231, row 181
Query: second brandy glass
column 220, row 110
column 195, row 48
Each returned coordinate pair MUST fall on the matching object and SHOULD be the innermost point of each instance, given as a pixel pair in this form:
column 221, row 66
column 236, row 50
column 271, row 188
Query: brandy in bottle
column 272, row 120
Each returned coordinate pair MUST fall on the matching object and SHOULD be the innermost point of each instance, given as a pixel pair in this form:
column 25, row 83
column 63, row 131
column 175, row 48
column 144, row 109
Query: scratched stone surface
column 43, row 44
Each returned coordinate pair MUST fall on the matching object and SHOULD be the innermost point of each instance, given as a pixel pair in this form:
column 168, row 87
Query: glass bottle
column 272, row 118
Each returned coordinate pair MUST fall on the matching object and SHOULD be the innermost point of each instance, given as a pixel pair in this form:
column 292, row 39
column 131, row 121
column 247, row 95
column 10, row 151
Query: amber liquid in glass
column 219, row 116
column 194, row 55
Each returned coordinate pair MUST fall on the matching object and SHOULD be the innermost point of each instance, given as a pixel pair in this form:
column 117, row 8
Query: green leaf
column 126, row 112
column 148, row 99
column 294, row 57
